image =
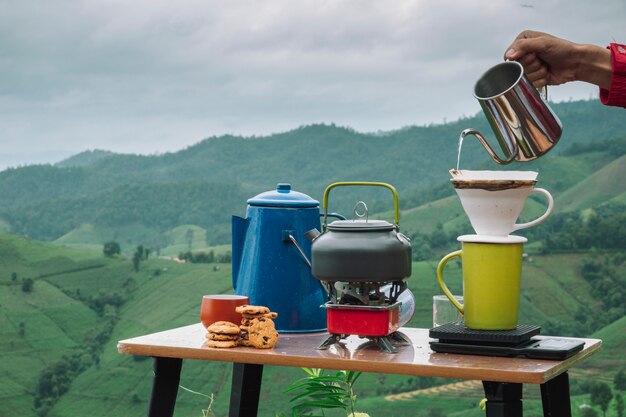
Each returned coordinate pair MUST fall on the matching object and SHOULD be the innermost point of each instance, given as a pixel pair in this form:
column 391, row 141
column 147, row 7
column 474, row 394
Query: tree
column 111, row 248
column 620, row 380
column 189, row 237
column 224, row 258
column 137, row 257
column 601, row 396
column 436, row 412
column 27, row 284
column 619, row 405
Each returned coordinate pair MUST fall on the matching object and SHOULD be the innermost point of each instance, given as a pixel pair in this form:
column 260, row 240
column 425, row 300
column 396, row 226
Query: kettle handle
column 396, row 203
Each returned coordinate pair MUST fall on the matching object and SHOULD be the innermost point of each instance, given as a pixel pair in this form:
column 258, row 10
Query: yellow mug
column 492, row 269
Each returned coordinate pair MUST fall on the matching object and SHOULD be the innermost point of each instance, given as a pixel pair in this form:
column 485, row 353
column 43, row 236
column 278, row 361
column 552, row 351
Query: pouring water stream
column 458, row 157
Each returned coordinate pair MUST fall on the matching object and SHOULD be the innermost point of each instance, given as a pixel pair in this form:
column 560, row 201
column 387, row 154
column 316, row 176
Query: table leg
column 246, row 389
column 503, row 399
column 555, row 397
column 164, row 386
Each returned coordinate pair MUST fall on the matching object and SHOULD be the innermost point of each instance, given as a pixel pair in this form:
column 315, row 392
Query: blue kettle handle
column 335, row 215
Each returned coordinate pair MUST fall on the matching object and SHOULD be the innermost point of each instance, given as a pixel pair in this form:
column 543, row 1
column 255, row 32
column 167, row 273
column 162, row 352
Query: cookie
column 223, row 337
column 253, row 310
column 224, row 327
column 222, row 343
column 261, row 334
column 253, row 321
column 269, row 315
column 265, row 342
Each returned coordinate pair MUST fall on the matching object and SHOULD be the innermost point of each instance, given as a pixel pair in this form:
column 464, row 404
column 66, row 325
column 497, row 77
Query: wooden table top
column 356, row 354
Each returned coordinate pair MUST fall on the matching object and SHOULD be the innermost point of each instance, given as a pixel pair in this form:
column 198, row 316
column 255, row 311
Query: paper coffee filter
column 469, row 175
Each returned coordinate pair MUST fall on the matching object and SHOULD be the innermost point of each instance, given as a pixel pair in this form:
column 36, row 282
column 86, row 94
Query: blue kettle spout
column 239, row 231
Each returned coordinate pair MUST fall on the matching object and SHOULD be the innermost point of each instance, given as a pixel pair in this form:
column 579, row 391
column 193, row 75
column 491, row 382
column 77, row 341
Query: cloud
column 153, row 76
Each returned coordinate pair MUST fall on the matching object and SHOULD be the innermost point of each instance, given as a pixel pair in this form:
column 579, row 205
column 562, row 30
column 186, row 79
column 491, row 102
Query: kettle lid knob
column 283, row 187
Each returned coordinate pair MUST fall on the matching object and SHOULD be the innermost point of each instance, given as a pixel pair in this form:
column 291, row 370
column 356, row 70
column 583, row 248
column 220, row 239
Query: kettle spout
column 312, row 234
column 239, row 230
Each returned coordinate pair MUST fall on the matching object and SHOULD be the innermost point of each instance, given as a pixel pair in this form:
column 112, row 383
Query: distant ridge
column 84, row 158
column 138, row 198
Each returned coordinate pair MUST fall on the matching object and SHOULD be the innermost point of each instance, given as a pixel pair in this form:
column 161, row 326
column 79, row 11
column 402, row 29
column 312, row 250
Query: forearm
column 595, row 65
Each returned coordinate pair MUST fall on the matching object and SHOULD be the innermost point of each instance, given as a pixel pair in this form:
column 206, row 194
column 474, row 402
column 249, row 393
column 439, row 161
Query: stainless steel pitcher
column 522, row 121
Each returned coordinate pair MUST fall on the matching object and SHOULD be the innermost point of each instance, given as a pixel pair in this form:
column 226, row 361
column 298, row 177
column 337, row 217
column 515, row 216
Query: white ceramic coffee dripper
column 493, row 200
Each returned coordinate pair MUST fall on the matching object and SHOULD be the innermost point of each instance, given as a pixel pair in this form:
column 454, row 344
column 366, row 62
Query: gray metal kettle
column 360, row 250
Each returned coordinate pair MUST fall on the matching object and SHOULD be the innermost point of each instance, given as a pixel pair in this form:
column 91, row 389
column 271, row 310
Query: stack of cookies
column 257, row 326
column 223, row 334
column 256, row 330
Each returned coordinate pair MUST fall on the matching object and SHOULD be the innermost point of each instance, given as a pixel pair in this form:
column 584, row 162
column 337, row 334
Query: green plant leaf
column 328, row 378
column 352, row 376
column 320, row 394
column 314, row 372
column 319, row 391
column 312, row 385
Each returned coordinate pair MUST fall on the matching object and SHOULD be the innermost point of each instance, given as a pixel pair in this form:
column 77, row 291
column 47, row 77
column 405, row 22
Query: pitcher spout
column 239, row 231
column 490, row 151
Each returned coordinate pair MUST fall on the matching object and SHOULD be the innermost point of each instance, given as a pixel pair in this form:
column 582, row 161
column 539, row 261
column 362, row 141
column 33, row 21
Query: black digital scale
column 523, row 341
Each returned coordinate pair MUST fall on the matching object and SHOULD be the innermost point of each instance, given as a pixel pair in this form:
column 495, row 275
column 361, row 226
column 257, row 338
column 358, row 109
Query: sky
column 155, row 76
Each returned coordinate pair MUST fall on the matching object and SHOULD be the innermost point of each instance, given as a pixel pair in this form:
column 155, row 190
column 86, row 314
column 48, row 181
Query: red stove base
column 365, row 321
column 377, row 323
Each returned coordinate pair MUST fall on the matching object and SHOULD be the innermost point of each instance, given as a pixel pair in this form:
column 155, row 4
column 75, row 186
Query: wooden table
column 502, row 377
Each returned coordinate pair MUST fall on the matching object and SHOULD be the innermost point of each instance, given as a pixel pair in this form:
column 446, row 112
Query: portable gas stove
column 367, row 309
column 363, row 264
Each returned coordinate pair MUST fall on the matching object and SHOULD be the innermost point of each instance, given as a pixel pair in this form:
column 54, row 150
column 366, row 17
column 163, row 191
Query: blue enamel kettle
column 270, row 258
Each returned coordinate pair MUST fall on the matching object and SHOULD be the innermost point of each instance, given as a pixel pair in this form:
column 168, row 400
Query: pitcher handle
column 443, row 285
column 491, row 152
column 544, row 215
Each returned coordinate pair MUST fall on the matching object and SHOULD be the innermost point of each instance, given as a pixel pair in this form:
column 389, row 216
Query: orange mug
column 221, row 307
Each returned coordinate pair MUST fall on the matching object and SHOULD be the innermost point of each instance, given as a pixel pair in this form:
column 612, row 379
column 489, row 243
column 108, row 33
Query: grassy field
column 173, row 242
column 596, row 188
column 165, row 294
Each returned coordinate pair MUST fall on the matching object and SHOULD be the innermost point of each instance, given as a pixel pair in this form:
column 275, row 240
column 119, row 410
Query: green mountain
column 139, row 199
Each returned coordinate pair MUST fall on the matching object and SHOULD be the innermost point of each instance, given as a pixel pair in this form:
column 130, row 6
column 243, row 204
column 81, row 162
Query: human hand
column 548, row 60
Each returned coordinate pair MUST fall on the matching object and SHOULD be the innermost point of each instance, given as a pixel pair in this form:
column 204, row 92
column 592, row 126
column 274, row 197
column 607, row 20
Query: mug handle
column 442, row 284
column 543, row 216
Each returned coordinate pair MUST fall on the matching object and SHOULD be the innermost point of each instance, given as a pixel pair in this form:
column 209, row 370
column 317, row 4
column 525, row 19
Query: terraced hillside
column 77, row 293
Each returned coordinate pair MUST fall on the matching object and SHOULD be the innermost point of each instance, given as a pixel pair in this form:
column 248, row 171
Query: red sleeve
column 616, row 94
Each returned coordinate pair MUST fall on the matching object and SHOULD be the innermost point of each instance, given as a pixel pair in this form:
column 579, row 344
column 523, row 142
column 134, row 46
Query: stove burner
column 366, row 293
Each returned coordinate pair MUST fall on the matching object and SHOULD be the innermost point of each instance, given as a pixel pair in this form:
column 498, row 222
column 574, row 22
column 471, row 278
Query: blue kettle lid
column 283, row 196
